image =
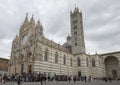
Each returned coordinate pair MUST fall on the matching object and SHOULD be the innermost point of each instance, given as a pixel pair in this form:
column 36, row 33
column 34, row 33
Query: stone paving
column 66, row 83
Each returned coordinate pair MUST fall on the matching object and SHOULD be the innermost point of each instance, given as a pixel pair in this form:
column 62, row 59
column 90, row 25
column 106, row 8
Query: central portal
column 29, row 68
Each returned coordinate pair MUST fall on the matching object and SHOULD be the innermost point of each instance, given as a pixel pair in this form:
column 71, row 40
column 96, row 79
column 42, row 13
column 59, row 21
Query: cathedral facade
column 33, row 52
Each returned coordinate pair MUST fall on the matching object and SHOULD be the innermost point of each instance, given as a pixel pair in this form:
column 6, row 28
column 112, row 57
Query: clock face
column 24, row 39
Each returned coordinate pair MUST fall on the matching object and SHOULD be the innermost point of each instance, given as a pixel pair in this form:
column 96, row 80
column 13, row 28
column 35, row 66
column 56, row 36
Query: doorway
column 79, row 73
column 112, row 67
column 29, row 68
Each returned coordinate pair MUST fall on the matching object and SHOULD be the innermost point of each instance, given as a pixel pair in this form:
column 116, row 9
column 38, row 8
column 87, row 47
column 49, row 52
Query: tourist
column 105, row 79
column 110, row 79
column 48, row 78
column 18, row 80
column 74, row 79
column 44, row 77
column 85, row 79
column 41, row 79
column 4, row 78
column 69, row 79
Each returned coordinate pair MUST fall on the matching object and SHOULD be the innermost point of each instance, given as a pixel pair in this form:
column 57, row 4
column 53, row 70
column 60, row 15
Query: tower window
column 75, row 43
column 75, row 38
column 75, row 21
column 75, row 27
column 75, row 33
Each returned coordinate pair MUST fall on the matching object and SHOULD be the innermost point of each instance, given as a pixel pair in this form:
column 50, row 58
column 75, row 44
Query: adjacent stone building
column 3, row 66
column 33, row 52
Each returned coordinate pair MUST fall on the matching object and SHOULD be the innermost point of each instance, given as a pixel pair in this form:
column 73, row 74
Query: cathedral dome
column 67, row 44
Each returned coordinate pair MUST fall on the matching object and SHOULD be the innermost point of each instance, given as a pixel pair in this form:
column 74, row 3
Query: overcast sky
column 101, row 19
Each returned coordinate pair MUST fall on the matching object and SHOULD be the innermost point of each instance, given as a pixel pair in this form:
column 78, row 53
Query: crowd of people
column 38, row 77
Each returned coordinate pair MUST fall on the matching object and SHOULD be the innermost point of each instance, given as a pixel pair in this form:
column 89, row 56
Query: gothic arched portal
column 112, row 66
column 29, row 62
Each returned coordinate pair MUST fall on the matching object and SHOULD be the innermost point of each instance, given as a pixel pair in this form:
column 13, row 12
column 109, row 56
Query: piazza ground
column 66, row 83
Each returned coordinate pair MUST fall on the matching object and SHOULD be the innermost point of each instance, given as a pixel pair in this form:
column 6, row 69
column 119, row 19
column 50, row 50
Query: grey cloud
column 101, row 21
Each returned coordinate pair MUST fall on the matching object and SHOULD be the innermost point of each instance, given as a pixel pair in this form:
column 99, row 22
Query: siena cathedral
column 33, row 52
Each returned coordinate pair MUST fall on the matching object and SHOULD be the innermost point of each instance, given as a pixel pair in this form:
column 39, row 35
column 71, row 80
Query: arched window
column 75, row 33
column 100, row 63
column 71, row 61
column 75, row 38
column 75, row 43
column 87, row 62
column 93, row 62
column 46, row 55
column 78, row 61
column 56, row 57
column 64, row 60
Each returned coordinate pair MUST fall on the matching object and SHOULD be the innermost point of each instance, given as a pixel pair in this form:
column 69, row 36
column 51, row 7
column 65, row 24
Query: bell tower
column 77, row 33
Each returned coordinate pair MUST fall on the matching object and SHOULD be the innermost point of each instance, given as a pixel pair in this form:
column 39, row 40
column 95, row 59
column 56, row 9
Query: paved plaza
column 66, row 83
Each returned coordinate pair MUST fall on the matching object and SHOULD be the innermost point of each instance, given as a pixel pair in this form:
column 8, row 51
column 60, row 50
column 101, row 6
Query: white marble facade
column 32, row 52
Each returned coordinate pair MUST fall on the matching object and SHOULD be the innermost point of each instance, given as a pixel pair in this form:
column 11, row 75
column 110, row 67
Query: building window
column 46, row 55
column 56, row 57
column 78, row 61
column 99, row 62
column 87, row 61
column 75, row 43
column 75, row 38
column 64, row 60
column 93, row 62
column 71, row 61
column 75, row 33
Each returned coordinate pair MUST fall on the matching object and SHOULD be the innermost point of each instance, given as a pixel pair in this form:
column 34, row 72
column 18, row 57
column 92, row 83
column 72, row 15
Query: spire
column 68, row 38
column 39, row 27
column 26, row 19
column 32, row 20
column 76, row 9
column 75, row 5
column 38, row 22
column 96, row 53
